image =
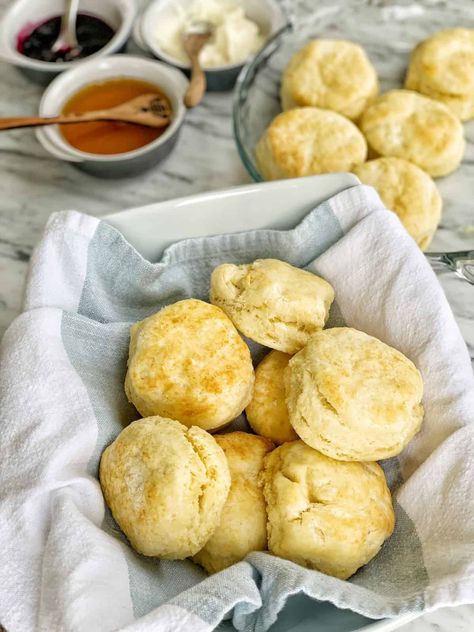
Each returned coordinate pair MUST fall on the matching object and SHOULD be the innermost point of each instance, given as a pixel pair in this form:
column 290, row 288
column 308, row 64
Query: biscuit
column 441, row 67
column 188, row 362
column 242, row 526
column 408, row 125
column 267, row 413
column 322, row 73
column 408, row 191
column 272, row 302
column 166, row 485
column 307, row 141
column 352, row 397
column 327, row 515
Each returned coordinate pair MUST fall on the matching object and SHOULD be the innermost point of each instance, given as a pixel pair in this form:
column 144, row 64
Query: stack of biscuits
column 324, row 405
column 333, row 119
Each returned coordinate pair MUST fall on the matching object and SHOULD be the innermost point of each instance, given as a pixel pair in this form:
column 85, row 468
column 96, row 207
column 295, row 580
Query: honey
column 108, row 137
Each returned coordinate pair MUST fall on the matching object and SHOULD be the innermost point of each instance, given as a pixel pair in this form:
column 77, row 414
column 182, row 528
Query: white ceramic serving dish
column 266, row 13
column 173, row 83
column 119, row 14
column 279, row 205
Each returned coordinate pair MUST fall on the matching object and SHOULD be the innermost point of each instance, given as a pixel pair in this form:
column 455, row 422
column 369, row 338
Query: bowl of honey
column 106, row 148
column 29, row 29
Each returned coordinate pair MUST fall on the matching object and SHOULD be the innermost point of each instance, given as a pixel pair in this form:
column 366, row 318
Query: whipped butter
column 235, row 36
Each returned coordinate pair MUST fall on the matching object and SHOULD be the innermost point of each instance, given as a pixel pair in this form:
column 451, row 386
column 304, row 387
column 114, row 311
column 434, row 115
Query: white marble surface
column 33, row 185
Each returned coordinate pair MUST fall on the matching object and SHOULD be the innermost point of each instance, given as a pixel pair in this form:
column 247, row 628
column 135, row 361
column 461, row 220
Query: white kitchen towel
column 65, row 566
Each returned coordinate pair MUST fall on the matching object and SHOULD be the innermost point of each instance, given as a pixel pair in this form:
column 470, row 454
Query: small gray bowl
column 266, row 13
column 131, row 163
column 119, row 14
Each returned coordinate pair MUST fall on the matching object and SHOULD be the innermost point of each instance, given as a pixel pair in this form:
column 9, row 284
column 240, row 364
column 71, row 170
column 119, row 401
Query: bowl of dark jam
column 30, row 28
column 37, row 41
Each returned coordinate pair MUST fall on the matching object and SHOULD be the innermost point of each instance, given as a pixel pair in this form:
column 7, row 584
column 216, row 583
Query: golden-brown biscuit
column 408, row 125
column 189, row 363
column 272, row 302
column 307, row 141
column 322, row 73
column 242, row 526
column 267, row 413
column 166, row 485
column 442, row 67
column 352, row 397
column 408, row 191
column 326, row 515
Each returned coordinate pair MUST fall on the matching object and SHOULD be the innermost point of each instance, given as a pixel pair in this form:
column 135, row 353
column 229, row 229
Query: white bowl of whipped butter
column 241, row 28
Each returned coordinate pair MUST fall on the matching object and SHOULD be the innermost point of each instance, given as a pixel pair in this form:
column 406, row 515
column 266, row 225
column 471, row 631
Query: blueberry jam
column 36, row 41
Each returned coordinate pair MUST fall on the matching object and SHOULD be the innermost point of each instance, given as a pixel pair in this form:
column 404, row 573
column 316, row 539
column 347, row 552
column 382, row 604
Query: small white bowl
column 266, row 13
column 171, row 81
column 118, row 14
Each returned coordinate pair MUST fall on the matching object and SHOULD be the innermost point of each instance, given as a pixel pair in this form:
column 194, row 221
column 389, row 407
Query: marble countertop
column 33, row 185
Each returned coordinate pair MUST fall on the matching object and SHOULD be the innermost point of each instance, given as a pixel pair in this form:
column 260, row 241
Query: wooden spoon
column 149, row 110
column 194, row 39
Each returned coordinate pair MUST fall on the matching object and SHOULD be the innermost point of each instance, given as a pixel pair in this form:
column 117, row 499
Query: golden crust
column 307, row 141
column 441, row 67
column 322, row 73
column 408, row 191
column 326, row 515
column 267, row 413
column 408, row 125
column 272, row 302
column 166, row 485
column 189, row 363
column 352, row 397
column 242, row 527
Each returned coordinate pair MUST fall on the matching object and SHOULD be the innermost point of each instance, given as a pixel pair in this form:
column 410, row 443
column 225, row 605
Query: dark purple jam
column 36, row 41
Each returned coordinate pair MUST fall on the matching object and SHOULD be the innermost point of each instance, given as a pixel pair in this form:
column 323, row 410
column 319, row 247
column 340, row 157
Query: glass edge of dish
column 241, row 87
column 249, row 70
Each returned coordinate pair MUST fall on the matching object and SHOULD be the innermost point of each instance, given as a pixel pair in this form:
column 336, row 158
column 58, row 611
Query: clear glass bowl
column 387, row 30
